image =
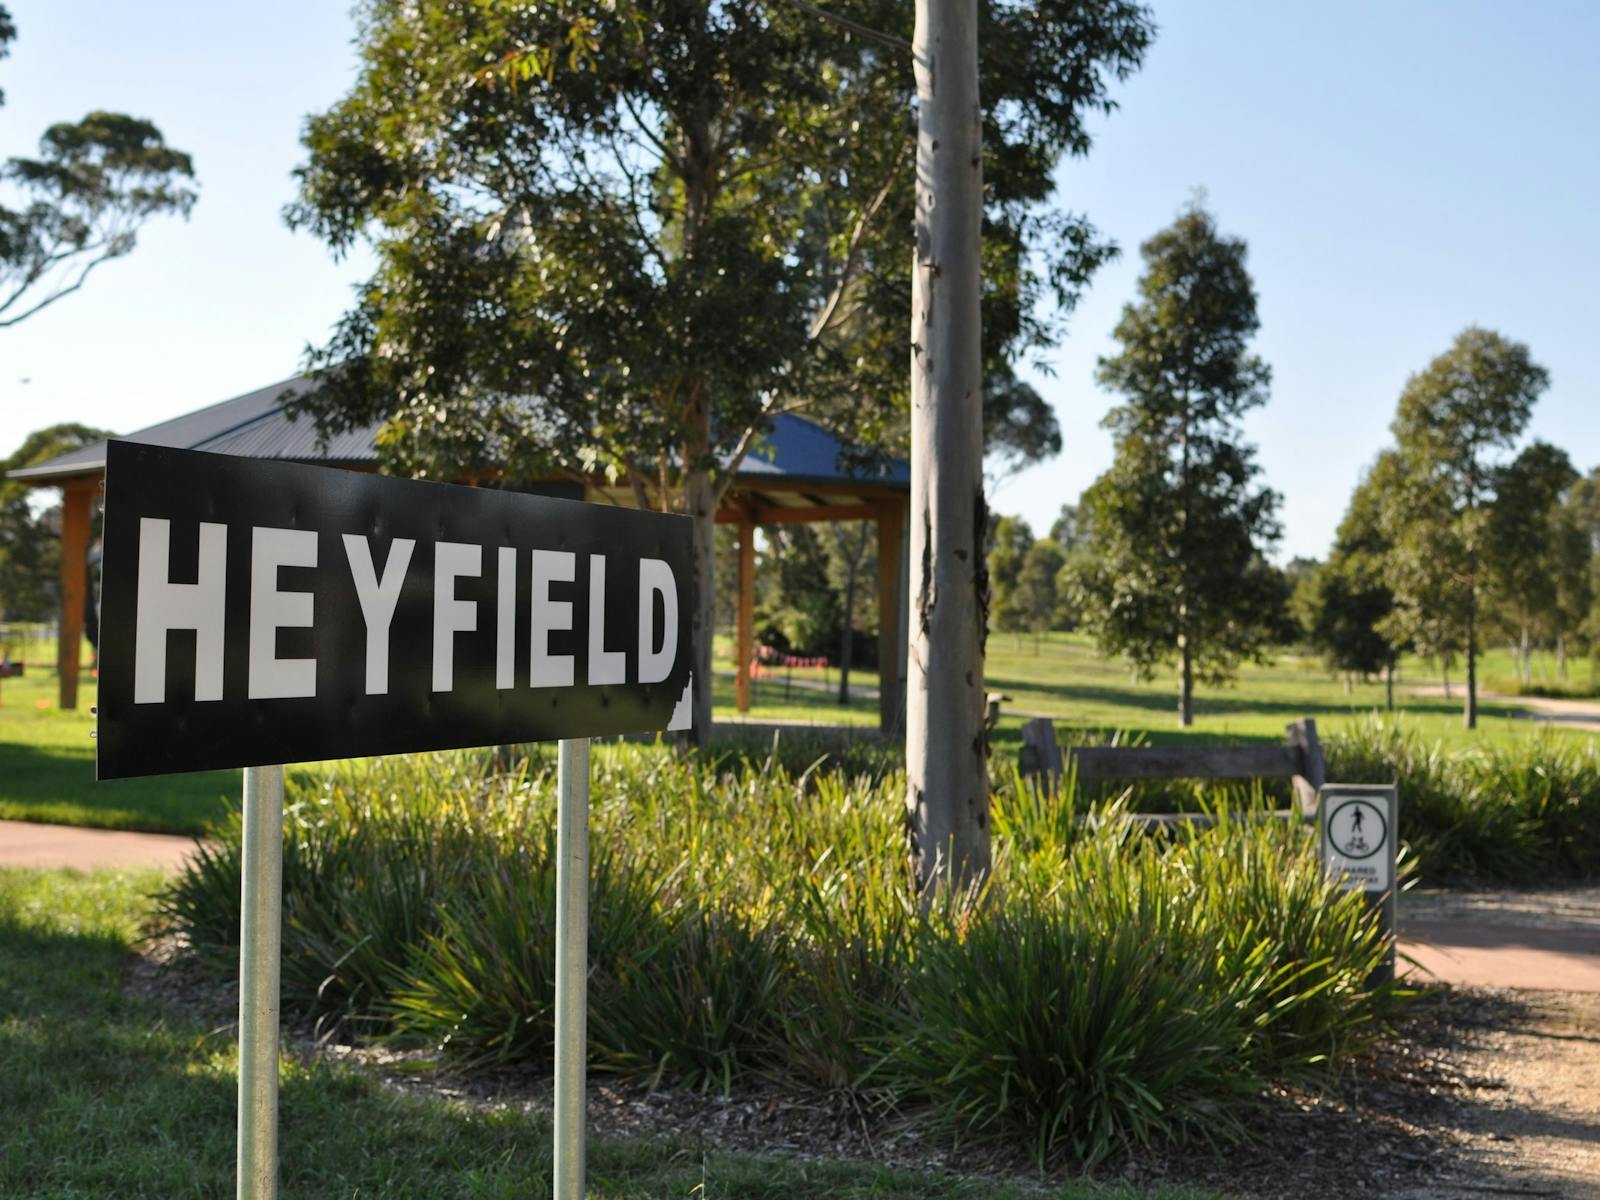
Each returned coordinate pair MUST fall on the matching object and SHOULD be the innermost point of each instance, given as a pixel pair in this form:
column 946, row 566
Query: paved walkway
column 27, row 844
column 1546, row 940
column 1548, row 710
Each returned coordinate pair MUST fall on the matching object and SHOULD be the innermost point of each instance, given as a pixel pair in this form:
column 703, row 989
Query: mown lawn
column 108, row 1094
column 47, row 756
column 47, row 769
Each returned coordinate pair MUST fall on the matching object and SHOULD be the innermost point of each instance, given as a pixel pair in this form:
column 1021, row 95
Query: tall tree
column 1573, row 565
column 94, row 185
column 1064, row 530
column 1456, row 418
column 1177, row 523
column 850, row 543
column 1348, row 599
column 1009, row 543
column 1524, row 548
column 1036, row 597
column 667, row 222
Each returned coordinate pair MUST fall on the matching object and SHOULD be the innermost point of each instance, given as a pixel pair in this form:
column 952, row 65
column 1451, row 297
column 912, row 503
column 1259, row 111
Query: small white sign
column 1358, row 838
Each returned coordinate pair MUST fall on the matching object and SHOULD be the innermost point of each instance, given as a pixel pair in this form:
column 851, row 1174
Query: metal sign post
column 260, row 944
column 572, row 964
column 1359, row 830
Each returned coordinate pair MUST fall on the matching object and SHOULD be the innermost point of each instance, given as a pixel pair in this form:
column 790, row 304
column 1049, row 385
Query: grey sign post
column 572, row 965
column 260, row 945
column 1360, row 829
column 257, row 613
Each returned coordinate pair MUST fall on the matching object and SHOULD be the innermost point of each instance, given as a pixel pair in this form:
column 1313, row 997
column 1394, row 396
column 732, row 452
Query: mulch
column 1387, row 1125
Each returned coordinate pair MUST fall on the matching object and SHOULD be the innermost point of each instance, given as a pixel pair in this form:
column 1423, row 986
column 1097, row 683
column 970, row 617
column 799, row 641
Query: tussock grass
column 1105, row 988
column 1509, row 812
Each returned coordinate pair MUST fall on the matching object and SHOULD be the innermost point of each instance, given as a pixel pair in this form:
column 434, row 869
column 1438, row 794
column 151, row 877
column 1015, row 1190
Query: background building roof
column 795, row 451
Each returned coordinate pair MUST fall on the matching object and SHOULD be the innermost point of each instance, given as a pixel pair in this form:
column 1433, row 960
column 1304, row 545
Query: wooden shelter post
column 891, row 604
column 744, row 647
column 76, row 518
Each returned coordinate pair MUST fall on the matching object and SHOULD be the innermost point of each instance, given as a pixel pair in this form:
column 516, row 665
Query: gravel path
column 1530, row 1125
column 1569, row 714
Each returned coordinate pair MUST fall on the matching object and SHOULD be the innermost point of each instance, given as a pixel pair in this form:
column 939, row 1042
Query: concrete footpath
column 1547, row 939
column 28, row 844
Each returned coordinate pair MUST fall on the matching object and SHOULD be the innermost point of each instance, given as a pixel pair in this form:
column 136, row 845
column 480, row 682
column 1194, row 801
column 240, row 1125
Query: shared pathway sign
column 256, row 613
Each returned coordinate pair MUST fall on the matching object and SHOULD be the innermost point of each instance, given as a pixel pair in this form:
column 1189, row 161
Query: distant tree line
column 1453, row 540
column 1452, row 543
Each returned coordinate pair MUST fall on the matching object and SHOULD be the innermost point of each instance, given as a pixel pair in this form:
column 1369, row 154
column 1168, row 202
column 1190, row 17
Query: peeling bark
column 947, row 794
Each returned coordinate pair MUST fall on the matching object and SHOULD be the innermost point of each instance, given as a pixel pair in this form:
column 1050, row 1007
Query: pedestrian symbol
column 1357, row 829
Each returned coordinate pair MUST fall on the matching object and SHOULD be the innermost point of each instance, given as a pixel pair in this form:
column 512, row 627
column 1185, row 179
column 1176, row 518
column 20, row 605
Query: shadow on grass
column 1210, row 703
column 42, row 783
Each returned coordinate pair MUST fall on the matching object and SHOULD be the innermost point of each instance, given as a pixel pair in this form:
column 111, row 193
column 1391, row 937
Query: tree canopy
column 1456, row 420
column 30, row 548
column 670, row 221
column 83, row 201
column 1349, row 598
column 1177, row 526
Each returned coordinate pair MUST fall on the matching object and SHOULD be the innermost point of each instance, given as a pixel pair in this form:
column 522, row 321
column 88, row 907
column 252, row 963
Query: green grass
column 47, row 756
column 108, row 1094
column 1063, row 675
column 47, row 769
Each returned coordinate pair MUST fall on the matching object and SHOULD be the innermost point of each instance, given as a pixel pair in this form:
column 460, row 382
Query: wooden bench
column 1299, row 760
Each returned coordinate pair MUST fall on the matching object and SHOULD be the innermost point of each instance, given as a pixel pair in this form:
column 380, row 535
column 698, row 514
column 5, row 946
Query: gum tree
column 1457, row 418
column 618, row 238
column 84, row 199
column 1177, row 525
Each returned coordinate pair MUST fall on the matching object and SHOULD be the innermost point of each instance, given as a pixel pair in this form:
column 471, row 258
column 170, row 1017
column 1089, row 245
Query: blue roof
column 795, row 451
column 800, row 451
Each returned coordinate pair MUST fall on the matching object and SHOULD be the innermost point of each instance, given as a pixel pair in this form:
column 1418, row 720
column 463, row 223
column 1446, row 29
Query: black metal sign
column 259, row 612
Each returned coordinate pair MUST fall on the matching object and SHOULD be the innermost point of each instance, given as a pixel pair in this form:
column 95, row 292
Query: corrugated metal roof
column 797, row 450
column 255, row 426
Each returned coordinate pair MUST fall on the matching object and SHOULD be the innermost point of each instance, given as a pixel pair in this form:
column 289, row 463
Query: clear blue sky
column 1399, row 171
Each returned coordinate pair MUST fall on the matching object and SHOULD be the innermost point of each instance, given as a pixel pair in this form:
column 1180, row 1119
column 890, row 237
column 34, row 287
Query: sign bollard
column 260, row 944
column 572, row 964
column 1360, row 828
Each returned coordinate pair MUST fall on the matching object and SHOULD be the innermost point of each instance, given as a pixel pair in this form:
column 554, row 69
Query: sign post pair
column 257, row 613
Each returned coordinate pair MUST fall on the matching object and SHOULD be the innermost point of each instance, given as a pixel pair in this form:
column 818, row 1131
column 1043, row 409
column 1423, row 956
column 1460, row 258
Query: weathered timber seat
column 1298, row 760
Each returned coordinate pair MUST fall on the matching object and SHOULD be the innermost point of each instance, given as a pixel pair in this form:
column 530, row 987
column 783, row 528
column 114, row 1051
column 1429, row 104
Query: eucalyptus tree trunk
column 946, row 747
column 1469, row 712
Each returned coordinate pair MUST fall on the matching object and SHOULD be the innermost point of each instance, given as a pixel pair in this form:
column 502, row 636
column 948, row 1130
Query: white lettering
column 378, row 599
column 505, row 642
column 605, row 666
column 272, row 677
column 451, row 560
column 165, row 606
column 546, row 669
column 655, row 578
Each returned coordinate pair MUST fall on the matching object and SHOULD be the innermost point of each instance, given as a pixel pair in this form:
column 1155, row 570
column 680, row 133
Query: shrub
column 1511, row 814
column 1108, row 987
